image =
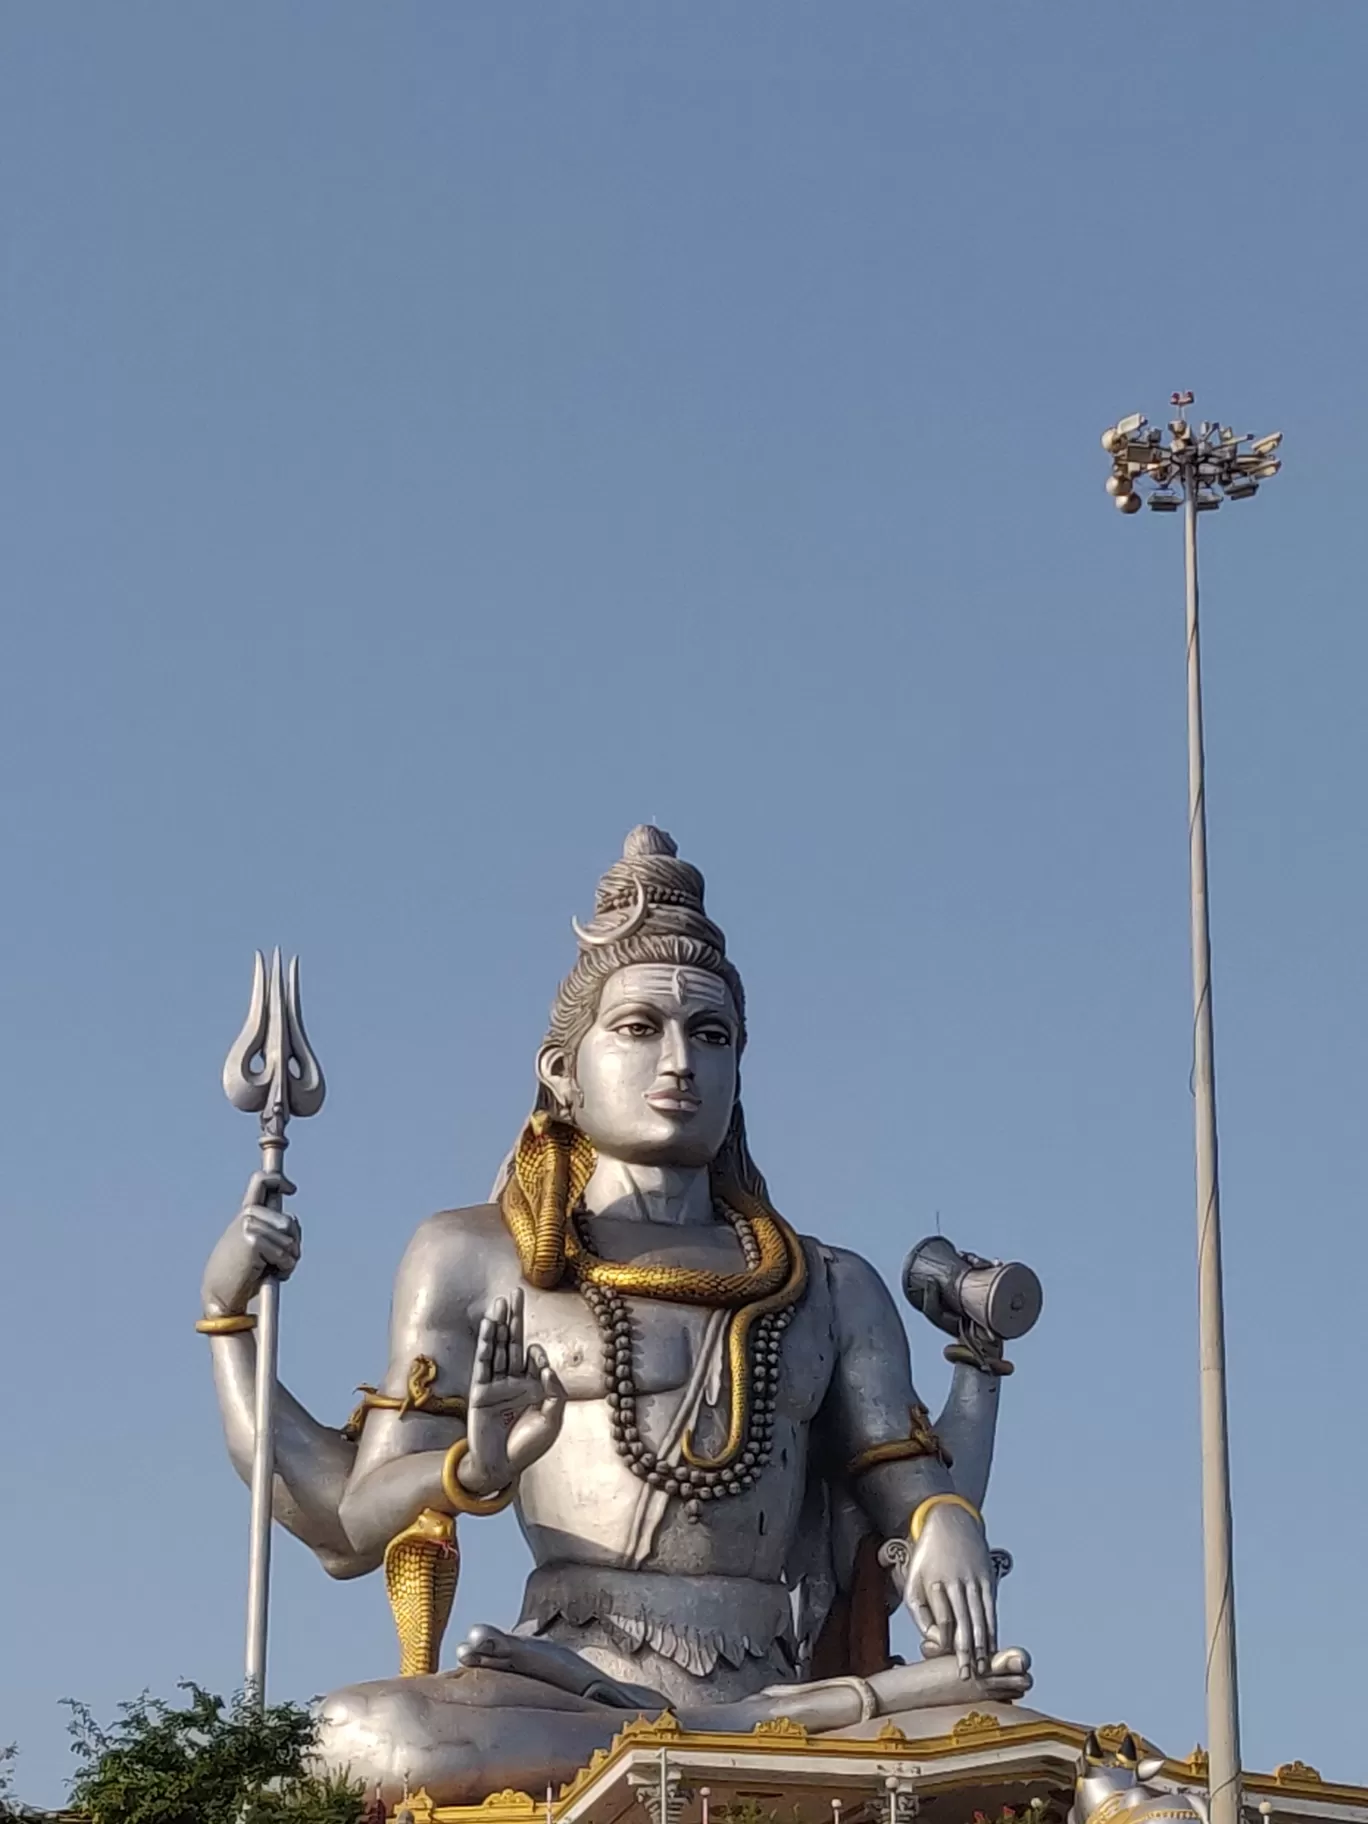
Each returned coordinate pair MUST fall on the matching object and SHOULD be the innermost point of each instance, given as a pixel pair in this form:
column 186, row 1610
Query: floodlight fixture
column 1209, row 461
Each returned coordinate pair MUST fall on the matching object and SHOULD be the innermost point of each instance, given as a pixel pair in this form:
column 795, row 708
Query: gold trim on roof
column 891, row 1743
column 1297, row 1773
column 975, row 1722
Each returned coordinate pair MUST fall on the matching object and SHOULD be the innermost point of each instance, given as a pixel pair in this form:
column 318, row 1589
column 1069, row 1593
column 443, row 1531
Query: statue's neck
column 649, row 1193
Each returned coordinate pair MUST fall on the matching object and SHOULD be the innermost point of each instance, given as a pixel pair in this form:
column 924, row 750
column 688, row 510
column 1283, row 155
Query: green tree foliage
column 9, row 1807
column 206, row 1762
column 748, row 1811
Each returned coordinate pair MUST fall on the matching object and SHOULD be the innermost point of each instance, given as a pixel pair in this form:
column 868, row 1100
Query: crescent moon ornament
column 627, row 926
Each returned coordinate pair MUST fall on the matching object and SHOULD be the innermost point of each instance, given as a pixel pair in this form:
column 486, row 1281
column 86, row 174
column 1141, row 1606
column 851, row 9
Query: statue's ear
column 1149, row 1767
column 556, row 1074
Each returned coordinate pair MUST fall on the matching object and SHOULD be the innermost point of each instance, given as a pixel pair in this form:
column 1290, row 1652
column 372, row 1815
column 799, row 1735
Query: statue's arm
column 398, row 1466
column 967, row 1427
column 870, row 1400
column 948, row 1586
column 313, row 1461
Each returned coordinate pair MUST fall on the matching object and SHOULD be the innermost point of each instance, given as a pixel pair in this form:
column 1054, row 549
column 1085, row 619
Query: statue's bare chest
column 674, row 1343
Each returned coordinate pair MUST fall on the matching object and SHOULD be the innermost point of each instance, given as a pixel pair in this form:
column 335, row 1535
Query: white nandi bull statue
column 1118, row 1789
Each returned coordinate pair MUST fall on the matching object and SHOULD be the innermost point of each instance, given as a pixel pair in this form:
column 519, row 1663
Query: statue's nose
column 675, row 1058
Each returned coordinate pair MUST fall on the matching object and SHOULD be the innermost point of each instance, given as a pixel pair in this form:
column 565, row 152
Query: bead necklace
column 692, row 1485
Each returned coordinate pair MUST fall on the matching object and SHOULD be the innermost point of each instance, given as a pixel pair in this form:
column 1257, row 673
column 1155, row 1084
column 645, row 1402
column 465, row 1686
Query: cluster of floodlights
column 1213, row 461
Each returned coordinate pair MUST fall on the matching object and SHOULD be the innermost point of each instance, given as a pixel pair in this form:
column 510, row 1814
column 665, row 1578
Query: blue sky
column 440, row 437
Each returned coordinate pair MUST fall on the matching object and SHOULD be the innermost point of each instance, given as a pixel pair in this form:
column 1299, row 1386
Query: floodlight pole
column 1222, row 1685
column 1196, row 469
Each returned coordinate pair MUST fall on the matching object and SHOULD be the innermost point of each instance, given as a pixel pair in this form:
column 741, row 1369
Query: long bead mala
column 693, row 1485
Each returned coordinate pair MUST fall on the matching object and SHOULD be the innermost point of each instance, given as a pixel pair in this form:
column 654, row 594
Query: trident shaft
column 271, row 1071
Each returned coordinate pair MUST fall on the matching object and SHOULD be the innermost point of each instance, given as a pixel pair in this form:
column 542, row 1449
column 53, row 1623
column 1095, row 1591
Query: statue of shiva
column 705, row 1422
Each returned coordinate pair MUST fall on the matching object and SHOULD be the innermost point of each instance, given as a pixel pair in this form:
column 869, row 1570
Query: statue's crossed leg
column 521, row 1712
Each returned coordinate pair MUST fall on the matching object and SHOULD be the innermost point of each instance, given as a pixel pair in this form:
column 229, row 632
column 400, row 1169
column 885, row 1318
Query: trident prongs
column 270, row 1071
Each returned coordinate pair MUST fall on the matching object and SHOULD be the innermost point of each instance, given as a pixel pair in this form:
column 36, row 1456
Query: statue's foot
column 491, row 1649
column 929, row 1682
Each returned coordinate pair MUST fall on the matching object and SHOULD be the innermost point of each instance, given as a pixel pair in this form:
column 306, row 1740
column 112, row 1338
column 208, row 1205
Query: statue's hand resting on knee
column 516, row 1402
column 950, row 1591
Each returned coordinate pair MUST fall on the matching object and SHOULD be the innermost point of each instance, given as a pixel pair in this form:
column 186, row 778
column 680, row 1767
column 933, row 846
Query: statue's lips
column 671, row 1102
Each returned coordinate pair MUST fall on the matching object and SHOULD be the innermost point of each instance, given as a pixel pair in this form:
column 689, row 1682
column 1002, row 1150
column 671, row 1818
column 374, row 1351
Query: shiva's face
column 654, row 1079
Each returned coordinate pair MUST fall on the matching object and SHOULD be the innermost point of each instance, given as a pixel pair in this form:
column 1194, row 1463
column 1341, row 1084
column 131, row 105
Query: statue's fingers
column 943, row 1615
column 277, row 1251
column 988, row 1587
column 921, row 1614
column 484, row 1352
column 964, row 1638
column 262, row 1185
column 501, row 1351
column 553, row 1393
column 978, row 1623
column 515, row 1335
column 261, row 1219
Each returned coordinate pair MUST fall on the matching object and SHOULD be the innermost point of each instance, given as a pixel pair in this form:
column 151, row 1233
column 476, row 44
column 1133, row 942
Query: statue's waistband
column 694, row 1621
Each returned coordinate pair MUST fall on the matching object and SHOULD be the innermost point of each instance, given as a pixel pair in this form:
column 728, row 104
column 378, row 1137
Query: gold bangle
column 231, row 1325
column 461, row 1499
column 918, row 1520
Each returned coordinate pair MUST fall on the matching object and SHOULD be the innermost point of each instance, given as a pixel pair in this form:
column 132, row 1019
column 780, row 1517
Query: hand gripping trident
column 270, row 1071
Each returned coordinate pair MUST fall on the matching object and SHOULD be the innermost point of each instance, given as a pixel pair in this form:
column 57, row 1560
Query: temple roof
column 953, row 1761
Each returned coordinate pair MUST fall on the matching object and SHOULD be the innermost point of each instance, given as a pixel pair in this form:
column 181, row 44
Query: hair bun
column 646, row 839
column 649, row 890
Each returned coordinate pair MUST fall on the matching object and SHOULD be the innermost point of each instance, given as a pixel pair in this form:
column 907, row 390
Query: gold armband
column 460, row 1498
column 232, row 1325
column 919, row 1514
column 921, row 1441
column 418, row 1397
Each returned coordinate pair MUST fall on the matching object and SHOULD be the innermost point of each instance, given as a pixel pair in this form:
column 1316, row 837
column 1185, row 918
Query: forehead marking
column 677, row 984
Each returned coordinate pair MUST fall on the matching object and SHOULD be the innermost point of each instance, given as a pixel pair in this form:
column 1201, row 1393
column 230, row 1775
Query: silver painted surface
column 627, row 1592
column 479, row 1729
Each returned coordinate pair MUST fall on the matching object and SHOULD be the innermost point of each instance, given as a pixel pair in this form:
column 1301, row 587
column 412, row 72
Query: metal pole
column 263, row 1482
column 1222, row 1691
column 263, row 1455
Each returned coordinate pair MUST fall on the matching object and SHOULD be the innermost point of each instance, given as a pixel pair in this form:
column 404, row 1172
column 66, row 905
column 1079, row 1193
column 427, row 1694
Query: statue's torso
column 581, row 1504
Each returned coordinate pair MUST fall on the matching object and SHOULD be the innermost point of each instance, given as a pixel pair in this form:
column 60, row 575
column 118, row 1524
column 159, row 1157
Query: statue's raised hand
column 260, row 1239
column 516, row 1402
column 951, row 1591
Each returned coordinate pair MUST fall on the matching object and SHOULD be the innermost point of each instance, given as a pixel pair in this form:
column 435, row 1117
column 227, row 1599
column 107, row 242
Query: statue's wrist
column 225, row 1323
column 460, row 1498
column 924, row 1509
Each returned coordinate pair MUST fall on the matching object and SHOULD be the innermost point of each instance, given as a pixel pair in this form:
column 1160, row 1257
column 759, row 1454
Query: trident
column 270, row 1071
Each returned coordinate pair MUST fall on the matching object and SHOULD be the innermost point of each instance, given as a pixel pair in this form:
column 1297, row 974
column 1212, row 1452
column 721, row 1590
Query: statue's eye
column 637, row 1029
column 713, row 1035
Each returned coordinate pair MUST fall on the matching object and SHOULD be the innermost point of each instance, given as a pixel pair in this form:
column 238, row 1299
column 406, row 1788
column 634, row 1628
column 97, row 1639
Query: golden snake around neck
column 551, row 1168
